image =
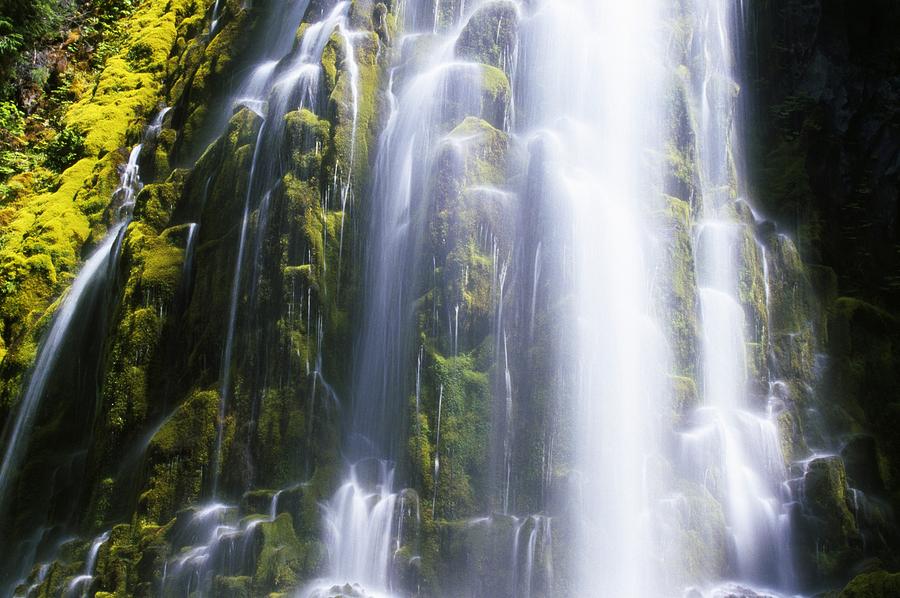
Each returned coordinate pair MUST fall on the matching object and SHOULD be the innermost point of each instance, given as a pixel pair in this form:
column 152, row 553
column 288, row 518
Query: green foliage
column 139, row 55
column 65, row 149
column 12, row 126
column 12, row 122
column 10, row 40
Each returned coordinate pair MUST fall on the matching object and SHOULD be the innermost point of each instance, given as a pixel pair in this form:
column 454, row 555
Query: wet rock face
column 824, row 91
column 825, row 496
column 822, row 88
column 490, row 35
column 828, row 529
column 860, row 456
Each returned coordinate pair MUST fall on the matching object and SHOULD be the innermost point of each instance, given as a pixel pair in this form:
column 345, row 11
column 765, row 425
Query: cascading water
column 364, row 522
column 292, row 83
column 590, row 76
column 94, row 270
column 80, row 584
column 95, row 275
column 733, row 437
column 16, row 440
column 539, row 163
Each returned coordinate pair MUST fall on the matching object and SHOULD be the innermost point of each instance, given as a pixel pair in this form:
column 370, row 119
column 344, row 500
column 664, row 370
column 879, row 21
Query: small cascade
column 156, row 125
column 212, row 542
column 39, row 579
column 214, row 18
column 531, row 555
column 365, row 524
column 80, row 584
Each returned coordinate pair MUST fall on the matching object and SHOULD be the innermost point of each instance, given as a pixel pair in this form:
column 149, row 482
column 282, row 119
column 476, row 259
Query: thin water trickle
column 97, row 269
column 80, row 584
column 292, row 83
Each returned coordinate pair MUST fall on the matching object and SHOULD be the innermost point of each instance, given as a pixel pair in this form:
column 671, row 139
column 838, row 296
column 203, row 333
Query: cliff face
column 823, row 157
column 195, row 424
column 822, row 83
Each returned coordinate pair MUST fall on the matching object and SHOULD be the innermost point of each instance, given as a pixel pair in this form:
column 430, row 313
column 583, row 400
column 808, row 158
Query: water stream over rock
column 465, row 298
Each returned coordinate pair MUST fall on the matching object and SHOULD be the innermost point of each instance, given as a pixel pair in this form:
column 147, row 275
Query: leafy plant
column 65, row 149
column 139, row 55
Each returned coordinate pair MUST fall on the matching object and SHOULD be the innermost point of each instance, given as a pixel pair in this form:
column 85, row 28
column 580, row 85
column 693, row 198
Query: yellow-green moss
column 56, row 223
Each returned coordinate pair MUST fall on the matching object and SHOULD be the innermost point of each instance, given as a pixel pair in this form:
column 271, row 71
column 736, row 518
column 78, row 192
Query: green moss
column 306, row 141
column 232, row 587
column 281, row 557
column 490, row 35
column 464, row 396
column 180, row 451
column 154, row 204
column 485, row 151
column 282, row 429
column 366, row 50
column 679, row 291
column 57, row 223
column 831, row 524
column 874, row 584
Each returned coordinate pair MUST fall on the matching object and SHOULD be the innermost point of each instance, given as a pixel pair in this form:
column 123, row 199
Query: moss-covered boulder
column 875, row 584
column 490, row 35
column 829, row 530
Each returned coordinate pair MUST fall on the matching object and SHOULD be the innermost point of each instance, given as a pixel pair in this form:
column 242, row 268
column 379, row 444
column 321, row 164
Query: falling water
column 16, row 438
column 98, row 267
column 362, row 531
column 731, row 434
column 590, row 76
column 84, row 580
column 189, row 254
column 291, row 84
column 95, row 274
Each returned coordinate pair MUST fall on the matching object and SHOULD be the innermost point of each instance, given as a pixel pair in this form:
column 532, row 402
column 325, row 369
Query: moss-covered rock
column 679, row 292
column 829, row 527
column 282, row 558
column 872, row 585
column 490, row 36
column 179, row 453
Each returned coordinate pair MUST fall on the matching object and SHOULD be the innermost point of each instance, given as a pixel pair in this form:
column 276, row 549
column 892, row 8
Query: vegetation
column 79, row 81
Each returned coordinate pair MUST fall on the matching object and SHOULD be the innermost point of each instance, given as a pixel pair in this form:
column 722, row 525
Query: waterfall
column 293, row 83
column 362, row 519
column 97, row 269
column 512, row 294
column 590, row 77
column 733, row 433
column 83, row 581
